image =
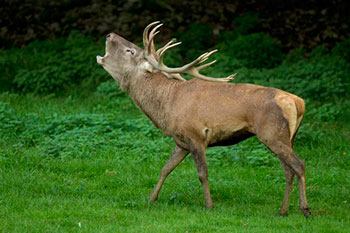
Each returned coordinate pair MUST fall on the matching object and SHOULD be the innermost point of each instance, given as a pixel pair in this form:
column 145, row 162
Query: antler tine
column 152, row 34
column 195, row 73
column 165, row 48
column 145, row 33
column 166, row 45
column 190, row 66
column 232, row 76
column 206, row 55
column 205, row 65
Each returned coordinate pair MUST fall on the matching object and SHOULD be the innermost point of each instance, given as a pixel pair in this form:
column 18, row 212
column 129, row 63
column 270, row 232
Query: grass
column 75, row 164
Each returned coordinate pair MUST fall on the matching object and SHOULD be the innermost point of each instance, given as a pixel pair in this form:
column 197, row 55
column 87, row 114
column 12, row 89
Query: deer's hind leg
column 289, row 185
column 292, row 163
column 277, row 138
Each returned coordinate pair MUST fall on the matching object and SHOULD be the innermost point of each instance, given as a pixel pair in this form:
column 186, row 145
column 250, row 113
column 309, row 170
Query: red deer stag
column 198, row 114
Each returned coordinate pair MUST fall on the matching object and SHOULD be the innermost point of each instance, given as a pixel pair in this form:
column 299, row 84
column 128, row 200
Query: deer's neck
column 153, row 94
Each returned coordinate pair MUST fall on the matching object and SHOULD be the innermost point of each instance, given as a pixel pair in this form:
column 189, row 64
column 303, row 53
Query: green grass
column 74, row 164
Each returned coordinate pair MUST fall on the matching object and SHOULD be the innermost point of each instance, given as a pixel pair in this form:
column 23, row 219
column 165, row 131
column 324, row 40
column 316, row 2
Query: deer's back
column 223, row 113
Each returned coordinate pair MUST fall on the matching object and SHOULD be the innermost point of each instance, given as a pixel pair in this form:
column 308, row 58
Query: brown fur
column 199, row 114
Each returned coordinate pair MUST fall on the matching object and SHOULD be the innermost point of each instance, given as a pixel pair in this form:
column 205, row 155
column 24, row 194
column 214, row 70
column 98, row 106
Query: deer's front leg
column 202, row 169
column 177, row 156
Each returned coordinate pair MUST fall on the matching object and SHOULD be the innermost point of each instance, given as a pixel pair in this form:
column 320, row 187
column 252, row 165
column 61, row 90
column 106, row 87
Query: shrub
column 77, row 142
column 294, row 56
column 243, row 25
column 52, row 66
column 327, row 112
column 309, row 135
column 342, row 49
column 311, row 80
column 196, row 40
column 9, row 121
column 322, row 78
column 255, row 50
column 75, row 135
column 246, row 23
column 318, row 52
column 45, row 80
column 109, row 89
column 83, row 134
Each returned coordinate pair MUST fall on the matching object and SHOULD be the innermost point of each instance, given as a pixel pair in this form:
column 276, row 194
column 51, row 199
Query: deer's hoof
column 306, row 212
column 283, row 213
column 152, row 198
column 151, row 201
column 209, row 206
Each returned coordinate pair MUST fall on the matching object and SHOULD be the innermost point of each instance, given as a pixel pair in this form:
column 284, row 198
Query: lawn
column 88, row 164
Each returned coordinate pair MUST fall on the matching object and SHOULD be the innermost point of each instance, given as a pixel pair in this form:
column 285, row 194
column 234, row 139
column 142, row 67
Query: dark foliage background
column 49, row 47
column 295, row 23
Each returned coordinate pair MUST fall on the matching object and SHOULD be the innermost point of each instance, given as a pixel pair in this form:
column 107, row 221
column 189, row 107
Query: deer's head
column 122, row 58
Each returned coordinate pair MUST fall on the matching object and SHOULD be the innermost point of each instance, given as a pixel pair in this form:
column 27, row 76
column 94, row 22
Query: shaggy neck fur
column 153, row 94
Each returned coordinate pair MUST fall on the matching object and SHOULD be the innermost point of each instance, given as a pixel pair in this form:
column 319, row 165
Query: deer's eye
column 131, row 51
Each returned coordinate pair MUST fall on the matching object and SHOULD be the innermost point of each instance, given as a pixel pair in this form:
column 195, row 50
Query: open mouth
column 99, row 58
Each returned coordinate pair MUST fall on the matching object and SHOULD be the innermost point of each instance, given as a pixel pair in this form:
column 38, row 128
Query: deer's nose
column 110, row 35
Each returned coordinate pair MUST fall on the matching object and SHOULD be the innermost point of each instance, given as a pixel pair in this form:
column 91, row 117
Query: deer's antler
column 147, row 43
column 155, row 58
